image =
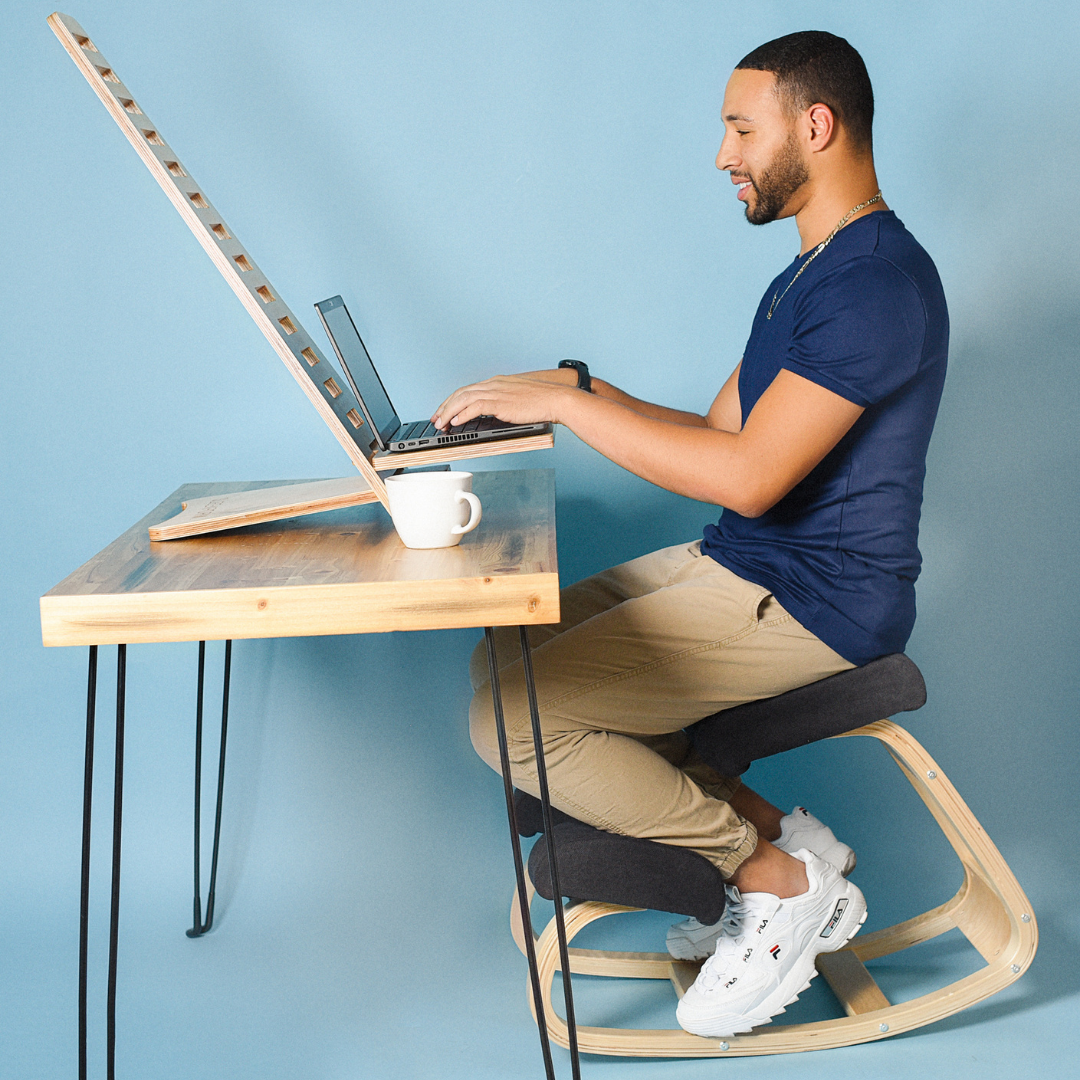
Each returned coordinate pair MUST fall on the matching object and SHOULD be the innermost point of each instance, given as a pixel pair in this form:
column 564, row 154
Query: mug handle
column 474, row 512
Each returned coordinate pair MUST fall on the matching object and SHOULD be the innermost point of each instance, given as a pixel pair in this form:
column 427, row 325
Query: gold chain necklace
column 821, row 247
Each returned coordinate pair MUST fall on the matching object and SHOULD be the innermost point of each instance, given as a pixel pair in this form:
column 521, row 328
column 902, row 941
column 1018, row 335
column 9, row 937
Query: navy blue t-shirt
column 866, row 320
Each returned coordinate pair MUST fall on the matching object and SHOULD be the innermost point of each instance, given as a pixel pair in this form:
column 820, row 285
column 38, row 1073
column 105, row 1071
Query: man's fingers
column 459, row 408
column 468, row 409
column 439, row 419
column 454, row 403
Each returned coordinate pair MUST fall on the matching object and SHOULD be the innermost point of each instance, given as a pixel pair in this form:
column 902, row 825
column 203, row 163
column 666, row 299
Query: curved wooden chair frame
column 990, row 909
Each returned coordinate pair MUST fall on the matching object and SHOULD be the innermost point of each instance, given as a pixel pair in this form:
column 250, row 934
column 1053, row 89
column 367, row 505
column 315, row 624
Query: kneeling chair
column 608, row 874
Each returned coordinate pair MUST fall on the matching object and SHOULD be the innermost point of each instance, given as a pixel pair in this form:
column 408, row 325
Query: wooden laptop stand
column 327, row 391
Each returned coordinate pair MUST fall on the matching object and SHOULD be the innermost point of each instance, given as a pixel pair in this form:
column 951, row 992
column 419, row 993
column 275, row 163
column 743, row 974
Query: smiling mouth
column 744, row 190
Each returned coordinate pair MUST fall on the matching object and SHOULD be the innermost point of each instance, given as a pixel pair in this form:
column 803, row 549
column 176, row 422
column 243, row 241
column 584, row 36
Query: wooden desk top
column 341, row 572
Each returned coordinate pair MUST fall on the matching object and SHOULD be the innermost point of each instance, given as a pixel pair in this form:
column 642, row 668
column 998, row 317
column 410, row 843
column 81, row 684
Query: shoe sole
column 777, row 1002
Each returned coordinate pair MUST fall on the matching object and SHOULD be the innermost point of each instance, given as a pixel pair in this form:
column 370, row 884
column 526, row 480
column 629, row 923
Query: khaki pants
column 644, row 650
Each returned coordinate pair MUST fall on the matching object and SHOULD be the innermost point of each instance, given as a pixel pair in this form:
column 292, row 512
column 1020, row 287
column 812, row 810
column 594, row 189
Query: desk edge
column 300, row 611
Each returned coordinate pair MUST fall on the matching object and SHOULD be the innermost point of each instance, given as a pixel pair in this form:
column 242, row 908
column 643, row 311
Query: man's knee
column 507, row 651
column 483, row 733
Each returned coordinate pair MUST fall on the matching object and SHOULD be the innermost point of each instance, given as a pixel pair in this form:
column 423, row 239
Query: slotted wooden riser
column 280, row 326
column 990, row 909
column 320, row 381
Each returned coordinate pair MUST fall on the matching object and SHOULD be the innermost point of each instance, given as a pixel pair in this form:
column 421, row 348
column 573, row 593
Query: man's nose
column 726, row 158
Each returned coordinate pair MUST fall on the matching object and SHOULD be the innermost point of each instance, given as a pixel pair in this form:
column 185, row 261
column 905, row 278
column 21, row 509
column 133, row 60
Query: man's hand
column 530, row 398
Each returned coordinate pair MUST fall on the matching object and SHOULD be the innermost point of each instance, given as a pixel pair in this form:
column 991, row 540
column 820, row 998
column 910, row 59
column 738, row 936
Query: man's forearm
column 793, row 426
column 605, row 389
column 687, row 458
column 602, row 388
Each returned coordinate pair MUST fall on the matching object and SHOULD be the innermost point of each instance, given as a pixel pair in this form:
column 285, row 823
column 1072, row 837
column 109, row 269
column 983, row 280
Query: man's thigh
column 587, row 598
column 703, row 639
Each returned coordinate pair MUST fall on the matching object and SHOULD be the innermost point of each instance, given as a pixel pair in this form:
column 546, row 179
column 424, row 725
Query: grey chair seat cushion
column 730, row 740
column 598, row 865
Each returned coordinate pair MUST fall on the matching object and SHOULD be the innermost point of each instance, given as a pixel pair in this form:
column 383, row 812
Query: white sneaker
column 692, row 940
column 800, row 829
column 765, row 957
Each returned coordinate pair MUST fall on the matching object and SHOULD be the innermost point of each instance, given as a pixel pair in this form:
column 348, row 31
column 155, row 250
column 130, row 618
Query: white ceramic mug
column 433, row 510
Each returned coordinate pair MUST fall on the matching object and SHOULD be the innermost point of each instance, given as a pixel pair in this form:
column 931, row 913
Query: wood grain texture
column 852, row 984
column 341, row 572
column 625, row 965
column 463, row 452
column 216, row 513
column 279, row 325
column 683, row 974
column 990, row 908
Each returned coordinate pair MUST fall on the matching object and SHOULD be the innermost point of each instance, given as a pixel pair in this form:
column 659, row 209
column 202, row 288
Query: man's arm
column 725, row 413
column 600, row 388
column 794, row 424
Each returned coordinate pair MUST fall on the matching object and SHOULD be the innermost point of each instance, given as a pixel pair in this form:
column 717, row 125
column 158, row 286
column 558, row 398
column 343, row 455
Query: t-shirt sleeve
column 859, row 331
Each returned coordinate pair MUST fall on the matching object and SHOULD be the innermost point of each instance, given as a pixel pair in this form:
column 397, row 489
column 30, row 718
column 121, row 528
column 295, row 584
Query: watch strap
column 584, row 379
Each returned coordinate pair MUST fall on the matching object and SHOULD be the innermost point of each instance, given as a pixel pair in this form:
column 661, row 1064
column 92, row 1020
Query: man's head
column 788, row 101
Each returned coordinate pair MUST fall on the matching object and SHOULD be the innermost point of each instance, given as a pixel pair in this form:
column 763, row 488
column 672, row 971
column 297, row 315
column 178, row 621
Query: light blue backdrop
column 494, row 185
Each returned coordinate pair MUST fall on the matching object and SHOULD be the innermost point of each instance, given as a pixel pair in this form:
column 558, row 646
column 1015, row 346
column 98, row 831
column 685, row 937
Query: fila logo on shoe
column 837, row 915
column 774, row 952
column 761, row 928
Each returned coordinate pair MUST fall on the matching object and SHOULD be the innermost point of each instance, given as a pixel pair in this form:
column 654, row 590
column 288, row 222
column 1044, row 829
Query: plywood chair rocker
column 609, row 875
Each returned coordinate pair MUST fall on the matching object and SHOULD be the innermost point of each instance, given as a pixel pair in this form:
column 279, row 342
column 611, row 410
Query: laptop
column 390, row 433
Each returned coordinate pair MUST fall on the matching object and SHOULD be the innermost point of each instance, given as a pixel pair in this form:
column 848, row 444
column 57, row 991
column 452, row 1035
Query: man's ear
column 821, row 127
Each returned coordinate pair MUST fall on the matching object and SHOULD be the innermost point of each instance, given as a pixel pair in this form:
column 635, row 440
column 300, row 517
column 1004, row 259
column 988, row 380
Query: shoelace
column 731, row 938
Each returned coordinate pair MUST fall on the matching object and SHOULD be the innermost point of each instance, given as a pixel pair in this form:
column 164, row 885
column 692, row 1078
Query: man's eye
column 742, row 132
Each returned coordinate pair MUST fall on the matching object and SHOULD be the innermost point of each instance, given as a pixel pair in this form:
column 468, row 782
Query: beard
column 779, row 180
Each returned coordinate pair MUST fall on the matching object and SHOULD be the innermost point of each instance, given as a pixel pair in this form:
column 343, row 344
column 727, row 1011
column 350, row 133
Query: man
column 815, row 447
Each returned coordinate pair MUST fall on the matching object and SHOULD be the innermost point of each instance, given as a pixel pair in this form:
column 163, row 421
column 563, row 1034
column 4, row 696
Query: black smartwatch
column 584, row 380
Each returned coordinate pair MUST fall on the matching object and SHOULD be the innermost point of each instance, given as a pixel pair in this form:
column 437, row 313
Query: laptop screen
column 353, row 355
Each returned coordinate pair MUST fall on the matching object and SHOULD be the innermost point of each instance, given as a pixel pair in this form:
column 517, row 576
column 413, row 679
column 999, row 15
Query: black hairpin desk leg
column 199, row 926
column 84, row 884
column 515, row 844
column 549, row 837
column 519, row 869
column 84, row 888
column 114, row 905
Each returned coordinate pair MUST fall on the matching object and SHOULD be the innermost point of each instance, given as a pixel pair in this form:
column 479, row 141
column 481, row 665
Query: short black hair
column 814, row 66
